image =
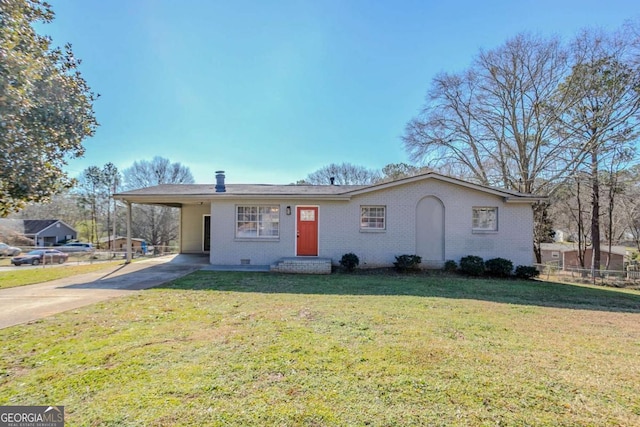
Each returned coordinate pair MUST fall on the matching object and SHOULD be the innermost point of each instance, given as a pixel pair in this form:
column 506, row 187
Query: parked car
column 76, row 247
column 48, row 256
column 6, row 250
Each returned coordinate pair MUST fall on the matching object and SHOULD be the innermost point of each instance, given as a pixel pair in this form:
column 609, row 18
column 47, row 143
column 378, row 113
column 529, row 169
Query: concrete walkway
column 24, row 304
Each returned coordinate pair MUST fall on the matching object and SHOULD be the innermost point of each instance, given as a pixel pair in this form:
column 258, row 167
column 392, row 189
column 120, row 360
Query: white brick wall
column 339, row 227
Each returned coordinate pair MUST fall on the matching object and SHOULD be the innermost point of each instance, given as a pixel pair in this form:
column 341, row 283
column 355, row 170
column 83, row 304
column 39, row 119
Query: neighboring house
column 119, row 243
column 552, row 253
column 42, row 232
column 566, row 256
column 431, row 215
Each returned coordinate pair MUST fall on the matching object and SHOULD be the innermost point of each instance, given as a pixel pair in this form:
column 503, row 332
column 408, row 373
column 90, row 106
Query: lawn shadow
column 434, row 285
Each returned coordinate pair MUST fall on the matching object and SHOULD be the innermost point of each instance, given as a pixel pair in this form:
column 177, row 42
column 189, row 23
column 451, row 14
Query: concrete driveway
column 28, row 303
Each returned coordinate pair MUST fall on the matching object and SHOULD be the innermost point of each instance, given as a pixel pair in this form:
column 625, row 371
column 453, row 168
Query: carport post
column 128, row 232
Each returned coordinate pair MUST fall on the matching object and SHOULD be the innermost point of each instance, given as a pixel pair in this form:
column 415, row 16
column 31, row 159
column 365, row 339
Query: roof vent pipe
column 220, row 187
column 332, row 180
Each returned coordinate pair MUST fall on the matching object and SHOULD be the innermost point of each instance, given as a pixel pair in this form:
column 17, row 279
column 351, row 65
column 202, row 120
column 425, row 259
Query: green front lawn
column 29, row 276
column 238, row 349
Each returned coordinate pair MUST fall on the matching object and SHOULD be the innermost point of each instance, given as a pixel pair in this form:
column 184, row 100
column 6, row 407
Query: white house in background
column 431, row 215
column 561, row 236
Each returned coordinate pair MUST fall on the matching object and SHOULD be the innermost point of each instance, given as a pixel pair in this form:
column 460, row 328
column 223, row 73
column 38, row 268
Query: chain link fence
column 629, row 277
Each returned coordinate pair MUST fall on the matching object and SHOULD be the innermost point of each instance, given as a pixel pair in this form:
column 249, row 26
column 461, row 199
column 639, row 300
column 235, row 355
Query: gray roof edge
column 510, row 196
column 54, row 223
column 25, row 222
column 177, row 198
column 172, row 191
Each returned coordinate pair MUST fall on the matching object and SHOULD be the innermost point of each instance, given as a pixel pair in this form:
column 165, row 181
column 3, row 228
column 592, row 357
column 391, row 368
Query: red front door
column 307, row 231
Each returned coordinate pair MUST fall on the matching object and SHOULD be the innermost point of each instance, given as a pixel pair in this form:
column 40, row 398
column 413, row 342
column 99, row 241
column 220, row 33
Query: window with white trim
column 485, row 219
column 258, row 222
column 373, row 217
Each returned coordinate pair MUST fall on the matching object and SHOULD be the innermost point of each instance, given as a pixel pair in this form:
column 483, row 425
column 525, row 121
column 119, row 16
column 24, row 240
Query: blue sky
column 270, row 91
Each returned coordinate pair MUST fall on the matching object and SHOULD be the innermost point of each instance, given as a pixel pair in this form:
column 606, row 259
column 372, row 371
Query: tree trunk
column 109, row 239
column 582, row 245
column 543, row 229
column 613, row 184
column 595, row 216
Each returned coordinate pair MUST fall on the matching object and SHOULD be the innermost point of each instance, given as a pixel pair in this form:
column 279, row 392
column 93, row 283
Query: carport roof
column 179, row 194
column 240, row 189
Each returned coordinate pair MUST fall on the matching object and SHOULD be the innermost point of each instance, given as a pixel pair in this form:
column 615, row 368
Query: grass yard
column 13, row 278
column 251, row 349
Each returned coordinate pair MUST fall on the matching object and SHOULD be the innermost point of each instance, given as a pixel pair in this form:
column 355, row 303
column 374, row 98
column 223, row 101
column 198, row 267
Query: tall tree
column 630, row 205
column 45, row 104
column 612, row 179
column 92, row 194
column 111, row 181
column 158, row 225
column 570, row 211
column 343, row 174
column 603, row 118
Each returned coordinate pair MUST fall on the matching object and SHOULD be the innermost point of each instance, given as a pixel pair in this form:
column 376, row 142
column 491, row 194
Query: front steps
column 302, row 265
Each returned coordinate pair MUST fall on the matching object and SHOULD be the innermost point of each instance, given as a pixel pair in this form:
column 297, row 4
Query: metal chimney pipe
column 220, row 187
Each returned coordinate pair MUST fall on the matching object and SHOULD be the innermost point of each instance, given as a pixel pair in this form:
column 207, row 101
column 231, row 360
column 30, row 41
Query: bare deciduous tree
column 94, row 192
column 61, row 206
column 145, row 173
column 158, row 225
column 494, row 119
column 614, row 186
column 92, row 196
column 602, row 119
column 630, row 207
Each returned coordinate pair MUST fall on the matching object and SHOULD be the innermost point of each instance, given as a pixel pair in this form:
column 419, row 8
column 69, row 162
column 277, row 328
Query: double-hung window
column 258, row 222
column 485, row 219
column 373, row 217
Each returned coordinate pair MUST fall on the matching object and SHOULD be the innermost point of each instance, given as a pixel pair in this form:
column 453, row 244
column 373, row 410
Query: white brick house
column 431, row 215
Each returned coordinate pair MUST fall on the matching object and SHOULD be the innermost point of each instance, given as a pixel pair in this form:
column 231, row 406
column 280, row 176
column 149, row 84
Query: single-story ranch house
column 431, row 215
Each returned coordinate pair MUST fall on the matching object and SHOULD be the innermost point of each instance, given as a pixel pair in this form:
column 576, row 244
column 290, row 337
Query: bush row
column 470, row 265
column 473, row 265
column 403, row 263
